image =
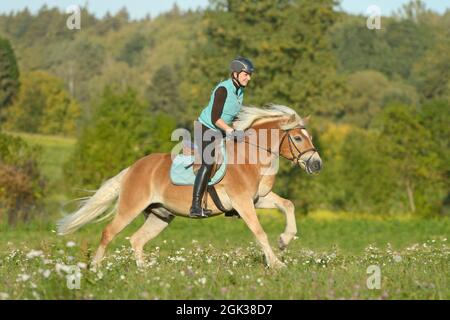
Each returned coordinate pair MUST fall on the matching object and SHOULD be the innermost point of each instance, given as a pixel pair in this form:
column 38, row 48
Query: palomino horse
column 146, row 186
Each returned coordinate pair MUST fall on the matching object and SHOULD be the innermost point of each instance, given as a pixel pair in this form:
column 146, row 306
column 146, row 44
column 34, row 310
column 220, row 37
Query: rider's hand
column 239, row 135
column 236, row 135
column 229, row 134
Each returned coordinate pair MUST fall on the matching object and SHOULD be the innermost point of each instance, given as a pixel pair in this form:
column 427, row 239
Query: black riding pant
column 207, row 159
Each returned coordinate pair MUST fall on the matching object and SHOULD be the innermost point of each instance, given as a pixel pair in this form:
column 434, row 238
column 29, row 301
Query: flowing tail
column 92, row 207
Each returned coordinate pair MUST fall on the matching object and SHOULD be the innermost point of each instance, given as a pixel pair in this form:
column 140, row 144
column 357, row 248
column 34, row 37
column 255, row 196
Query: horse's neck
column 268, row 129
column 265, row 151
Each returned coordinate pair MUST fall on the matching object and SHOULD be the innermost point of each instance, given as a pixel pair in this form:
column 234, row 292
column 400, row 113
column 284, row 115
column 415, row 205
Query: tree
column 414, row 10
column 163, row 94
column 432, row 72
column 43, row 106
column 435, row 116
column 369, row 91
column 288, row 43
column 393, row 50
column 121, row 131
column 22, row 186
column 409, row 148
column 9, row 75
column 132, row 49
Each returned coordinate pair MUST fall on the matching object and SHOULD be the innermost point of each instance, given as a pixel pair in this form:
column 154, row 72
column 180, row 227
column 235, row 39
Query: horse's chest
column 265, row 185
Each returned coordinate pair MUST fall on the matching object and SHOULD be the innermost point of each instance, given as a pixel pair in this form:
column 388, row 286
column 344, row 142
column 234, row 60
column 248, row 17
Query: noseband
column 293, row 158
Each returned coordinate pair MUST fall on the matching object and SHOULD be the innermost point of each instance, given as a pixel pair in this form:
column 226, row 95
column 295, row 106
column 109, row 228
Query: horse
column 145, row 186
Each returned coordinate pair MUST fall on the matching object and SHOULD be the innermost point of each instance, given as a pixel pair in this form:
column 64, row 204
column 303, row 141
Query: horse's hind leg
column 156, row 222
column 130, row 206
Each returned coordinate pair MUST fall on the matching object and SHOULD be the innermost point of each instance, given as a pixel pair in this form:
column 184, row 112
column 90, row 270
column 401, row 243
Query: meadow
column 219, row 259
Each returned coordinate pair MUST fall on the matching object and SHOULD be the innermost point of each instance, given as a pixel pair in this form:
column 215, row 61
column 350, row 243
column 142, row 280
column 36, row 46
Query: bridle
column 294, row 159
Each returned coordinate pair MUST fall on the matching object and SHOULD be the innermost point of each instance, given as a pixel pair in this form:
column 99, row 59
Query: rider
column 224, row 105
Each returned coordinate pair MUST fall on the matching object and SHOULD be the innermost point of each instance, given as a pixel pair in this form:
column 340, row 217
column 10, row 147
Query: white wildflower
column 99, row 275
column 34, row 253
column 23, row 277
column 70, row 244
column 62, row 267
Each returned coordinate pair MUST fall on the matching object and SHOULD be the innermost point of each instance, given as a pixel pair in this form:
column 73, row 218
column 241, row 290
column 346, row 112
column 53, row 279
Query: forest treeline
column 379, row 99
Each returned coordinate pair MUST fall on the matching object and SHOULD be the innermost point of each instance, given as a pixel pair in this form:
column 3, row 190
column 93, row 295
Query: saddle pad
column 182, row 170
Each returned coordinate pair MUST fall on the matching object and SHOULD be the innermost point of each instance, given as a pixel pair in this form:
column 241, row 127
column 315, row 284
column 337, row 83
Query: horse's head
column 296, row 144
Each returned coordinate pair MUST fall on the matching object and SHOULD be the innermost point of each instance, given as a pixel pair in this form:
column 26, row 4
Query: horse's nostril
column 316, row 165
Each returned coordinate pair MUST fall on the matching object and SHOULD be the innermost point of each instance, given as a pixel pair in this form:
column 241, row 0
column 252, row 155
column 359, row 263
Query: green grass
column 219, row 259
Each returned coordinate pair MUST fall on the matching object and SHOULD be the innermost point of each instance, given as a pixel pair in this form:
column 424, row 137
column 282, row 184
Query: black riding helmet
column 242, row 64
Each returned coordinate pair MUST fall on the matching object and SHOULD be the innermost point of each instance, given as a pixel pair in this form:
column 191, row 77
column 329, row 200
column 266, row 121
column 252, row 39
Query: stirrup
column 204, row 213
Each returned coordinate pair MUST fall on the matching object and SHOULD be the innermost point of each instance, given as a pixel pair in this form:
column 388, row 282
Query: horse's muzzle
column 314, row 165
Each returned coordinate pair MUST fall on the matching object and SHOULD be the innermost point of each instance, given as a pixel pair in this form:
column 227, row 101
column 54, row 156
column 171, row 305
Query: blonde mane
column 248, row 115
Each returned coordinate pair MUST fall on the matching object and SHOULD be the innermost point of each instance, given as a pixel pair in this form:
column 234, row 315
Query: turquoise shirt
column 231, row 107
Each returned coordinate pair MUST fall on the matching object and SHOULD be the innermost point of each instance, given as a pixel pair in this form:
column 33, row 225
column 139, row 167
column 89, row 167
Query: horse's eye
column 298, row 138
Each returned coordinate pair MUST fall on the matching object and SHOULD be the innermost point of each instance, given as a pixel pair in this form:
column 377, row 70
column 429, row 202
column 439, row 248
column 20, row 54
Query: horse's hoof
column 94, row 268
column 281, row 244
column 278, row 265
column 285, row 239
column 140, row 264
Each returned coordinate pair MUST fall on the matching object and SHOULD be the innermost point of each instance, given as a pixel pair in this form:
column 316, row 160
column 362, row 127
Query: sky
column 140, row 8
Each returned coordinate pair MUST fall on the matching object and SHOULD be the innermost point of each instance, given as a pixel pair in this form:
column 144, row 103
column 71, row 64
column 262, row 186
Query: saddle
column 190, row 149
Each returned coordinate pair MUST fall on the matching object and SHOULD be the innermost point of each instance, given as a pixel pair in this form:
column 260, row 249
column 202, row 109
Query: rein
column 293, row 158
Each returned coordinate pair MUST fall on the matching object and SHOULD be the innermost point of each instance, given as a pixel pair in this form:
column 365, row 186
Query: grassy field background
column 219, row 259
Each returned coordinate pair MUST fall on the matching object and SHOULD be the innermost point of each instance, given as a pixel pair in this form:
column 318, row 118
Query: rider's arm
column 221, row 124
column 219, row 100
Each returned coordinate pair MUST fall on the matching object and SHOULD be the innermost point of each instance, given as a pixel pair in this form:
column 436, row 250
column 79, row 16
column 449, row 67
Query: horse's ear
column 307, row 119
column 291, row 118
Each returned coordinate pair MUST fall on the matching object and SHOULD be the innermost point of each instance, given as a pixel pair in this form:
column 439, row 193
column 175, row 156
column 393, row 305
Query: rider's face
column 244, row 78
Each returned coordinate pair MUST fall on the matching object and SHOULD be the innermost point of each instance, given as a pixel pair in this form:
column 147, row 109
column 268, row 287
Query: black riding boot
column 201, row 180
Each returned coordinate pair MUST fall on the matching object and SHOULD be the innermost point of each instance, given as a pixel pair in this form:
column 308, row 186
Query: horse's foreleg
column 274, row 201
column 247, row 211
column 149, row 230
